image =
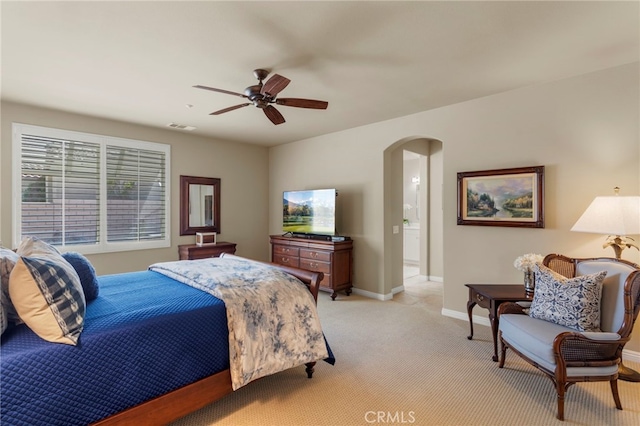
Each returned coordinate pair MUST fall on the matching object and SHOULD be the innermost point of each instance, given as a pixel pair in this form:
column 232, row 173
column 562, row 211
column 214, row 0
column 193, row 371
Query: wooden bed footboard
column 173, row 405
column 310, row 278
column 187, row 399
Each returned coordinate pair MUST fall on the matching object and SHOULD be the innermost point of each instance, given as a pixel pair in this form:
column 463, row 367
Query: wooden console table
column 490, row 296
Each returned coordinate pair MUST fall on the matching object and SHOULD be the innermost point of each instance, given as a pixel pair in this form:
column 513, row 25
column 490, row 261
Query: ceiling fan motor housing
column 253, row 91
column 254, row 95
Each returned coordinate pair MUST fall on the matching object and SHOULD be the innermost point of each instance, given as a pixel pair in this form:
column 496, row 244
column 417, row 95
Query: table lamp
column 617, row 217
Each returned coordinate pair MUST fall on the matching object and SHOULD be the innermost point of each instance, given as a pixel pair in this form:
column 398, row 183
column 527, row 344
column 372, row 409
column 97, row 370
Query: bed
column 152, row 350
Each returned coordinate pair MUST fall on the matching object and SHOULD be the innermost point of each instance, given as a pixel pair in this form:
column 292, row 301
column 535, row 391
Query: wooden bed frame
column 187, row 399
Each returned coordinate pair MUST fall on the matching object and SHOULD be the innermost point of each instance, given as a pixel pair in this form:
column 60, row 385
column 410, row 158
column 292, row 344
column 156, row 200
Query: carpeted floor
column 401, row 362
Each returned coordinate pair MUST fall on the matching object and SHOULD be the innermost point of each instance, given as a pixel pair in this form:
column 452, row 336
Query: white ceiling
column 372, row 61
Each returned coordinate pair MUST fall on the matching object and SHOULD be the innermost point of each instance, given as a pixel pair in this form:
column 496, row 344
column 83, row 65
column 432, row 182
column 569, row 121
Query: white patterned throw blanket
column 271, row 315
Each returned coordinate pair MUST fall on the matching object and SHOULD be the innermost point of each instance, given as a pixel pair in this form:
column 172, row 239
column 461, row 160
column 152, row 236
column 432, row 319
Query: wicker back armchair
column 571, row 356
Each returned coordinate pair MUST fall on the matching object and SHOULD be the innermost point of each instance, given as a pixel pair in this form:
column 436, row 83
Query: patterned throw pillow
column 8, row 259
column 46, row 293
column 571, row 302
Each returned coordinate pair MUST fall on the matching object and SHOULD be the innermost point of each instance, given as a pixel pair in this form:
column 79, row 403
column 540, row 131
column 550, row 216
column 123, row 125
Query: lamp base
column 619, row 243
column 628, row 374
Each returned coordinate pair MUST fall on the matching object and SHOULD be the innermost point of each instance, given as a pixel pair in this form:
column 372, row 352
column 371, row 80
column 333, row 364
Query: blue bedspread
column 141, row 323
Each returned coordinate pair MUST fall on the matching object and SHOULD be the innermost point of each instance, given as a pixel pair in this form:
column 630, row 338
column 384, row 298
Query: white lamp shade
column 615, row 215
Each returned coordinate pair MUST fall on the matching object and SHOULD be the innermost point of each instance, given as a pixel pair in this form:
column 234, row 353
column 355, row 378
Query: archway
column 431, row 219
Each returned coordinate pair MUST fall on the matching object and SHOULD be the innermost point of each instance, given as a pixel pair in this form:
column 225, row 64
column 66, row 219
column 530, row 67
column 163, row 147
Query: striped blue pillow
column 48, row 298
column 46, row 292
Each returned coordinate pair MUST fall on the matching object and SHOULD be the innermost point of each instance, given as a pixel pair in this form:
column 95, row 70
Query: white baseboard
column 484, row 320
column 436, row 279
column 397, row 290
column 372, row 295
column 628, row 355
column 388, row 296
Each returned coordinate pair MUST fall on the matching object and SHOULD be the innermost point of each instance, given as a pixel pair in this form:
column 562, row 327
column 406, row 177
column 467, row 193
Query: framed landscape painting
column 504, row 197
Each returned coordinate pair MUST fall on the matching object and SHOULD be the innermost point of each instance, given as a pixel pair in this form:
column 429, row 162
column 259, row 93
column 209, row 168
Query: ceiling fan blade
column 231, row 108
column 273, row 114
column 213, row 89
column 275, row 85
column 302, row 103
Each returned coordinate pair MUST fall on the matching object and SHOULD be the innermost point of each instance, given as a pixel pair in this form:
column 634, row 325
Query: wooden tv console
column 333, row 258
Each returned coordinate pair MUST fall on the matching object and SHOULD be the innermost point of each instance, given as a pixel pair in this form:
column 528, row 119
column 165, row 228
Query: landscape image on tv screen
column 309, row 212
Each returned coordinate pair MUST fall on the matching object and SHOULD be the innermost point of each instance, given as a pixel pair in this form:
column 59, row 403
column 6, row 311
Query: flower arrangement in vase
column 525, row 263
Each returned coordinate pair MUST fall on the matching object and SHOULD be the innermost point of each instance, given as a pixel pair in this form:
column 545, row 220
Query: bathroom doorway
column 413, row 247
column 422, row 169
column 429, row 212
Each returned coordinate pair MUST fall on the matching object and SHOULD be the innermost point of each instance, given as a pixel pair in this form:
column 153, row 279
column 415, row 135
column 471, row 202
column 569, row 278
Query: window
column 90, row 193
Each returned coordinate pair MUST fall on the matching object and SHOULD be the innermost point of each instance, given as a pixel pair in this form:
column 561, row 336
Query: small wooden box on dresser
column 333, row 258
column 192, row 251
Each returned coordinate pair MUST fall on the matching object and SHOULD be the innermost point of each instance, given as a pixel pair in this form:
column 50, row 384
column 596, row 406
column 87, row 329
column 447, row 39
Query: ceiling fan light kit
column 264, row 95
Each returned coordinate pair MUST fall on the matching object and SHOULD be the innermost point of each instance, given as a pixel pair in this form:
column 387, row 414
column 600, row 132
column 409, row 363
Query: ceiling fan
column 263, row 95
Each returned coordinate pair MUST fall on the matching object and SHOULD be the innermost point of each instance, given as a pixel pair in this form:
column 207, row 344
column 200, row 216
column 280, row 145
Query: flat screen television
column 309, row 212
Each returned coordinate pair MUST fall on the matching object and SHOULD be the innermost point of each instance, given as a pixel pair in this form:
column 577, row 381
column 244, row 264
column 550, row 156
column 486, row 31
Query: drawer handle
column 479, row 298
column 313, row 265
column 285, row 260
column 314, row 254
column 286, row 250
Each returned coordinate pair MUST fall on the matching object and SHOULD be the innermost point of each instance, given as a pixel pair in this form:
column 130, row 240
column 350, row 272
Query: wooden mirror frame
column 185, row 181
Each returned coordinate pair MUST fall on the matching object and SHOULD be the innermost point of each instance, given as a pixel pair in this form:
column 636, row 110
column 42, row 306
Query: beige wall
column 435, row 235
column 241, row 167
column 584, row 130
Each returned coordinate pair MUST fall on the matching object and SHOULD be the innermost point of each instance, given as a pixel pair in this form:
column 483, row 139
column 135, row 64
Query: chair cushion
column 534, row 338
column 570, row 302
column 531, row 336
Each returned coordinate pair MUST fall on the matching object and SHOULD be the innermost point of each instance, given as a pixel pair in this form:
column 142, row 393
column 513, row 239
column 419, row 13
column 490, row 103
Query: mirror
column 199, row 205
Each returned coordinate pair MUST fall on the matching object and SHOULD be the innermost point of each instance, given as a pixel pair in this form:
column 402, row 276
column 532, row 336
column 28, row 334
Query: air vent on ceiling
column 180, row 126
